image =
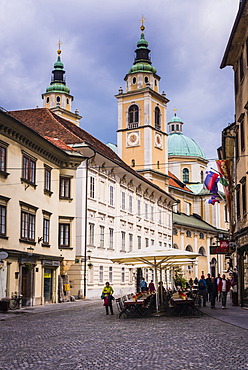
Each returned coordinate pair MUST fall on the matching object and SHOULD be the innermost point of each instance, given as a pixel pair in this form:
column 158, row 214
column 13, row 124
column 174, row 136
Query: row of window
column 189, row 248
column 188, row 233
column 127, row 202
column 28, row 225
column 127, row 239
column 134, row 119
column 29, row 173
column 111, row 275
column 239, row 72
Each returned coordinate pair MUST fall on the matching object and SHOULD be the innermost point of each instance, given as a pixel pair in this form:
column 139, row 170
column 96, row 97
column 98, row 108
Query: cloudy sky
column 187, row 39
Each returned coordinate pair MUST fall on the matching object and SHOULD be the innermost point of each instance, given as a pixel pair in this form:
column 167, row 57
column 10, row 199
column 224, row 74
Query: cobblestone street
column 85, row 338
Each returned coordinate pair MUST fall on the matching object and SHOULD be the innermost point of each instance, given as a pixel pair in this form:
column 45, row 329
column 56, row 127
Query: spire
column 142, row 61
column 58, row 79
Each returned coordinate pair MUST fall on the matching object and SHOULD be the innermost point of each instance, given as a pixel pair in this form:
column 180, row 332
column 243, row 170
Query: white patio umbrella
column 154, row 258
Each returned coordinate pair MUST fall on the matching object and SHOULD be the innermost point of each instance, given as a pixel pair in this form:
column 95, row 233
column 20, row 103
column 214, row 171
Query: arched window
column 157, row 119
column 189, row 248
column 133, row 116
column 202, row 251
column 133, row 162
column 146, row 79
column 175, row 246
column 174, row 231
column 188, row 233
column 201, row 236
column 185, row 175
column 134, row 80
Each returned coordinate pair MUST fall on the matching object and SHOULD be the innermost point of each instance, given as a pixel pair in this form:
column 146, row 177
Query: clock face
column 158, row 141
column 133, row 139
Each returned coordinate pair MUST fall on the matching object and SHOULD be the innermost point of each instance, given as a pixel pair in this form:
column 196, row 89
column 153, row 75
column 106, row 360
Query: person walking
column 223, row 288
column 202, row 286
column 213, row 292
column 208, row 282
column 143, row 285
column 108, row 298
column 234, row 289
column 151, row 287
column 217, row 281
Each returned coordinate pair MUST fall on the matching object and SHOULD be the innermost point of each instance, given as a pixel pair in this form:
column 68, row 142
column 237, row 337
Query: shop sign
column 223, row 248
column 50, row 263
column 47, row 275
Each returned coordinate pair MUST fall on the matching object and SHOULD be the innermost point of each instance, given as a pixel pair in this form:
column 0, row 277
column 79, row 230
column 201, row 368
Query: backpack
column 201, row 285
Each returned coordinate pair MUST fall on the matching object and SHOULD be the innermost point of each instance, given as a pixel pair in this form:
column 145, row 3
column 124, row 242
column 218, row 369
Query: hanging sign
column 223, row 248
column 3, row 255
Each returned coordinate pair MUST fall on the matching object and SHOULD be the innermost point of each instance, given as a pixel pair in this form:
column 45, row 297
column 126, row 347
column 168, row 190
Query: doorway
column 48, row 285
column 27, row 283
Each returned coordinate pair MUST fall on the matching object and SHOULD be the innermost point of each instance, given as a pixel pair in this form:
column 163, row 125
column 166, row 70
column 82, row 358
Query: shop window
column 28, row 169
column 65, row 187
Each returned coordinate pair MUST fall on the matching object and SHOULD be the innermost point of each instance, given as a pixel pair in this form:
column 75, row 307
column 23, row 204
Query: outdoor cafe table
column 183, row 306
column 135, row 307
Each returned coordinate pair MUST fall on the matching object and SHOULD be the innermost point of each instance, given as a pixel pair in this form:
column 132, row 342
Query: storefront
column 50, row 280
column 242, row 250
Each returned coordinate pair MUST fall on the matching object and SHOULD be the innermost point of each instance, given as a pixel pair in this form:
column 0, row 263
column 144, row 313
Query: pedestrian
column 202, row 286
column 161, row 293
column 212, row 291
column 151, row 287
column 108, row 298
column 217, row 281
column 196, row 281
column 208, row 282
column 191, row 283
column 143, row 285
column 234, row 289
column 223, row 288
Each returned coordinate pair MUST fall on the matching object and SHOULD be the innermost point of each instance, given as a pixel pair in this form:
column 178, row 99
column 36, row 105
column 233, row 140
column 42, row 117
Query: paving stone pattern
column 85, row 338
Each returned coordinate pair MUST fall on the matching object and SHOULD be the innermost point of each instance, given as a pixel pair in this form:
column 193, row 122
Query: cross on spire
column 142, row 27
column 59, row 45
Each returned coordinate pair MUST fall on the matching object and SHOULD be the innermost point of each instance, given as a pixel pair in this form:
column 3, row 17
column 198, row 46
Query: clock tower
column 141, row 136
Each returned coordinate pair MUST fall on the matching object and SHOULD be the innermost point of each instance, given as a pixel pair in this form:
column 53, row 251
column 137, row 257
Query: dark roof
column 48, row 124
column 193, row 221
column 241, row 16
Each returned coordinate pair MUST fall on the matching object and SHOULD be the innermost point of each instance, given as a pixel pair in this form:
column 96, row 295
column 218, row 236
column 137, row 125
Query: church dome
column 181, row 145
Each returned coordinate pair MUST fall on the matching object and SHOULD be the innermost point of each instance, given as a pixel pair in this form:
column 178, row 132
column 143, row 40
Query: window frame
column 102, row 232
column 47, row 180
column 91, row 234
column 185, row 175
column 111, row 238
column 130, row 238
column 111, row 195
column 123, row 241
column 64, row 187
column 3, row 220
column 28, row 169
column 157, row 118
column 64, row 234
column 133, row 116
column 3, row 158
column 92, row 187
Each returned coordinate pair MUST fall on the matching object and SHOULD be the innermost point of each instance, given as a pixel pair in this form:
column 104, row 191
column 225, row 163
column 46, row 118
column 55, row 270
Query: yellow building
column 141, row 135
column 144, row 144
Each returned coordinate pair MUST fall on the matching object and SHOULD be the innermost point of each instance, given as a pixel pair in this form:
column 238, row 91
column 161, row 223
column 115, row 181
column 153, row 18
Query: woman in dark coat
column 213, row 291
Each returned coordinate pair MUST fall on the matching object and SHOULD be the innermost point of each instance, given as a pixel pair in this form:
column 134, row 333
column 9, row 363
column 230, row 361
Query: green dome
column 175, row 119
column 57, row 87
column 142, row 67
column 179, row 144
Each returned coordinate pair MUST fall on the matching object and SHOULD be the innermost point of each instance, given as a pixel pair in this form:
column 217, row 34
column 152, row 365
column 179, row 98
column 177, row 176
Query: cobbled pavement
column 85, row 338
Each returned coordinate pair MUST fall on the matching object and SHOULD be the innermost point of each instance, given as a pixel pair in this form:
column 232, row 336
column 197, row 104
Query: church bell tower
column 57, row 96
column 141, row 134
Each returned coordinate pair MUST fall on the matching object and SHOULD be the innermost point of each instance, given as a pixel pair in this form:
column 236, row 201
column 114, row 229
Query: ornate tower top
column 58, row 79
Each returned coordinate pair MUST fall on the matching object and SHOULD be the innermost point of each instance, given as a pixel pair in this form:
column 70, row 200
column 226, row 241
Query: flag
column 213, row 200
column 211, row 181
